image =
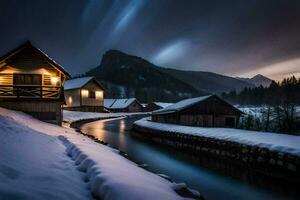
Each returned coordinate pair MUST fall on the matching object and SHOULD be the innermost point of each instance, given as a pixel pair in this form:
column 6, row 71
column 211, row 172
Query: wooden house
column 84, row 94
column 156, row 106
column 123, row 105
column 206, row 111
column 30, row 81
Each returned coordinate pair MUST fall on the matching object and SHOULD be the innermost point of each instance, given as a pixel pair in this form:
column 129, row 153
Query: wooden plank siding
column 48, row 111
column 27, row 77
column 212, row 112
column 75, row 101
column 87, row 100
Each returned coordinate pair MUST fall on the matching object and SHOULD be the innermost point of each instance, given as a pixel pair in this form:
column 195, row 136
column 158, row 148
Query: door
column 230, row 122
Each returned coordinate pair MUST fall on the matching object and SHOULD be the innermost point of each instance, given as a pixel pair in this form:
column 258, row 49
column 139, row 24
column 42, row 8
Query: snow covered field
column 44, row 161
column 72, row 116
column 273, row 141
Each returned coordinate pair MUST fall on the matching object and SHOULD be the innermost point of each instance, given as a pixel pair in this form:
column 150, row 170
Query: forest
column 274, row 108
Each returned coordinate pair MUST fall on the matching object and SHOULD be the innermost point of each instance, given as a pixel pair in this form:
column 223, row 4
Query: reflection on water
column 202, row 174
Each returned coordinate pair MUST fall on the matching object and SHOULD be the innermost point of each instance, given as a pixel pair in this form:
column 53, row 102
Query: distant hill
column 257, row 80
column 208, row 81
column 126, row 76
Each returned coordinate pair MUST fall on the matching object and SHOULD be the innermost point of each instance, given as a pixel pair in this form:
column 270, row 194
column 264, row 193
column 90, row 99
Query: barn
column 32, row 82
column 155, row 106
column 123, row 105
column 205, row 111
column 84, row 94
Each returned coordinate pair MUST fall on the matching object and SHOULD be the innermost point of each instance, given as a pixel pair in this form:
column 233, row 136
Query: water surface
column 214, row 179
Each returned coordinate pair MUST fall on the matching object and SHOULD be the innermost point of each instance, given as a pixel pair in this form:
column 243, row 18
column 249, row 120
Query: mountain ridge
column 136, row 76
column 257, row 80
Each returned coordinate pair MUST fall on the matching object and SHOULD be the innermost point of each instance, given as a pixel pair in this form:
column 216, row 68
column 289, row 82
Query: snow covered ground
column 72, row 116
column 44, row 161
column 273, row 141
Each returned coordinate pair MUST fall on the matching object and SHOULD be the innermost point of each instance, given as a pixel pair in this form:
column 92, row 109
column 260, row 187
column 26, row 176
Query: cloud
column 171, row 52
column 128, row 13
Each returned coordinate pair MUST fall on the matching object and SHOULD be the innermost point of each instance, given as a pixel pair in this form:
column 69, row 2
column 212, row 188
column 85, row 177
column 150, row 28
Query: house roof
column 163, row 104
column 28, row 45
column 77, row 83
column 181, row 105
column 118, row 103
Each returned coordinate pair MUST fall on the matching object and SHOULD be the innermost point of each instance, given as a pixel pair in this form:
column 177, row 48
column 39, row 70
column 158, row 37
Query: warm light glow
column 85, row 93
column 99, row 94
column 54, row 80
column 277, row 71
column 70, row 100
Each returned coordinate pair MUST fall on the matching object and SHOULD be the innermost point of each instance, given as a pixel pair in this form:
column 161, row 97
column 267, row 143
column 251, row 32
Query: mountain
column 208, row 81
column 126, row 76
column 257, row 80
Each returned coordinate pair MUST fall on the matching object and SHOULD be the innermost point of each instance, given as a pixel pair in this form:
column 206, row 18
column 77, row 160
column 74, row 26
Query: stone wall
column 270, row 162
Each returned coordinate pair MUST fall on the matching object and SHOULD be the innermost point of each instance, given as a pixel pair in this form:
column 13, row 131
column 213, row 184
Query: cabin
column 84, row 94
column 156, row 106
column 205, row 111
column 123, row 105
column 32, row 82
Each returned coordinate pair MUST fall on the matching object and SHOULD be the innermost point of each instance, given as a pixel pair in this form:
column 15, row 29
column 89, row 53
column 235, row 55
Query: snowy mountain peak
column 261, row 80
column 258, row 80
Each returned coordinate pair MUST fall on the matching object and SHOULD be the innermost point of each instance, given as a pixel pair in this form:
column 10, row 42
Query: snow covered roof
column 77, row 83
column 108, row 102
column 181, row 105
column 163, row 104
column 118, row 103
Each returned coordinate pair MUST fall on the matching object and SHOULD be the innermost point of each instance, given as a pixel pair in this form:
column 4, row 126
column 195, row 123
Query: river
column 213, row 179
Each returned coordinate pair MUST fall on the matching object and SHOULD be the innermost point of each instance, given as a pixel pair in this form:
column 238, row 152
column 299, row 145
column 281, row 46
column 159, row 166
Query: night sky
column 232, row 37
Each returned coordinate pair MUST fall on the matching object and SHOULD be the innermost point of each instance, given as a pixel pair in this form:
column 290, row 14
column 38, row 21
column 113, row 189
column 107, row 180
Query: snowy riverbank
column 273, row 141
column 44, row 161
column 73, row 116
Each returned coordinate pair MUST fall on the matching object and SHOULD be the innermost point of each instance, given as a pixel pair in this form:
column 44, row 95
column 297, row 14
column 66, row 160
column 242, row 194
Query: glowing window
column 70, row 100
column 99, row 94
column 54, row 80
column 84, row 93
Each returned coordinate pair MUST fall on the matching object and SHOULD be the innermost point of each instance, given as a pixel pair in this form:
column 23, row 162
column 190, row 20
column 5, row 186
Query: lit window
column 70, row 100
column 84, row 93
column 54, row 80
column 99, row 94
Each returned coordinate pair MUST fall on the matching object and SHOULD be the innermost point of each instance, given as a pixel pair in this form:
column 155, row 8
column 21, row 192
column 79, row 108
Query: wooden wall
column 135, row 107
column 48, row 111
column 72, row 98
column 6, row 74
column 210, row 113
column 86, row 101
column 75, row 101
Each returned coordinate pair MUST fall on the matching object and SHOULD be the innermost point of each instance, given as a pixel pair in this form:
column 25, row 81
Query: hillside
column 208, row 81
column 125, row 76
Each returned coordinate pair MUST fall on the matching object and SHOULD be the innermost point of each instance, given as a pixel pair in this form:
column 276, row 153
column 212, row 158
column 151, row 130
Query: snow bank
column 273, row 141
column 72, row 116
column 34, row 165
